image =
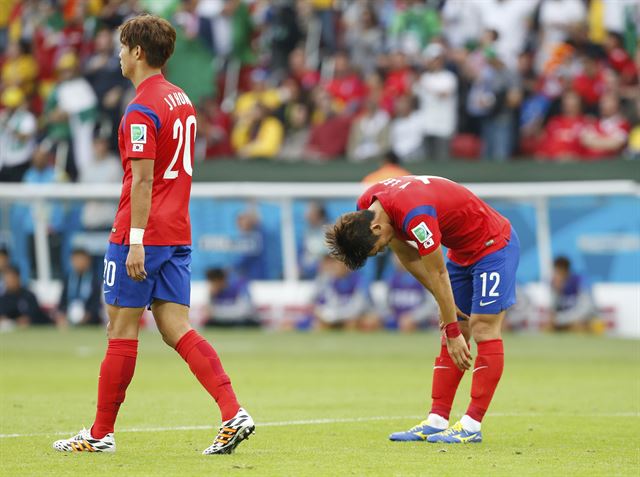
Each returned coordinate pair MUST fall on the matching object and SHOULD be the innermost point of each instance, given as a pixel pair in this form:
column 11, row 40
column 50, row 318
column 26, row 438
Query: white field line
column 306, row 422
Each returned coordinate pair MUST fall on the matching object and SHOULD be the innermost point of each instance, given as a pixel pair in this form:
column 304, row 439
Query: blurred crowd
column 315, row 80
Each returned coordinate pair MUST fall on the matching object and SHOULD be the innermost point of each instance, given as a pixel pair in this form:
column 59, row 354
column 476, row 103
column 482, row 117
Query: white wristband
column 135, row 236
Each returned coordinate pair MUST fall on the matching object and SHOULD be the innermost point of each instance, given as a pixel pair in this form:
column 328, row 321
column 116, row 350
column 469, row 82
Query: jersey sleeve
column 420, row 224
column 140, row 131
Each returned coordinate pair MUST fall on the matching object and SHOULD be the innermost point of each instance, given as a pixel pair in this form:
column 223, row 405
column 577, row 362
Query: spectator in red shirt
column 591, row 82
column 400, row 76
column 346, row 87
column 561, row 136
column 328, row 138
column 306, row 77
column 215, row 125
column 619, row 59
column 606, row 137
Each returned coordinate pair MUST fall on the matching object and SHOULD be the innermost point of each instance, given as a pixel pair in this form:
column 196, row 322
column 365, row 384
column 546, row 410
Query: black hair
column 351, row 240
column 391, row 157
column 562, row 262
column 214, row 274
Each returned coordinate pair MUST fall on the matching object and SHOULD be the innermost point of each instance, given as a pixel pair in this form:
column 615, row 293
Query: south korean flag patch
column 423, row 235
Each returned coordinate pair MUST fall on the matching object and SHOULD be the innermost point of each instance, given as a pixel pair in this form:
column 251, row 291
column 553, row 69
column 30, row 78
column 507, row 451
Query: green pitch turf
column 567, row 405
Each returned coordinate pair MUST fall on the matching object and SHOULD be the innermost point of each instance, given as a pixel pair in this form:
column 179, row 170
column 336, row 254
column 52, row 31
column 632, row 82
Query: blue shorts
column 168, row 276
column 489, row 285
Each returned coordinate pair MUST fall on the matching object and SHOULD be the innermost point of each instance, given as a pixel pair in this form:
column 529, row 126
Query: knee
column 485, row 329
column 171, row 335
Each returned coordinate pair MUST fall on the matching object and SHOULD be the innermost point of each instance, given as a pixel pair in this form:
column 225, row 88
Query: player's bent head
column 153, row 34
column 351, row 239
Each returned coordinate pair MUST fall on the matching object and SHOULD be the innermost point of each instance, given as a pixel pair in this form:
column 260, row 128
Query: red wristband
column 452, row 330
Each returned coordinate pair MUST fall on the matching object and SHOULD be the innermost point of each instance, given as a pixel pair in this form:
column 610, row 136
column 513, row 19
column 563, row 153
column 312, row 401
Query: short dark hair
column 562, row 262
column 153, row 34
column 351, row 240
column 215, row 274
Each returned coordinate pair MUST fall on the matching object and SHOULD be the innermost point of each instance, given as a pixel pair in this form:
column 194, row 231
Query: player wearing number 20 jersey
column 160, row 124
column 414, row 215
column 148, row 260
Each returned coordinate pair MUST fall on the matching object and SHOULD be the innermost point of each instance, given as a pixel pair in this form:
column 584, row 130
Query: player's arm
column 430, row 270
column 141, row 188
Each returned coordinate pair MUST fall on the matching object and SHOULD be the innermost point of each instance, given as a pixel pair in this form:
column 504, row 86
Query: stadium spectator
column 346, row 87
column 560, row 139
column 70, row 114
column 572, row 304
column 633, row 149
column 19, row 307
column 297, row 132
column 491, row 100
column 323, row 10
column 18, row 129
column 461, row 23
column 330, row 133
column 410, row 306
column 389, row 168
column 590, row 82
column 259, row 92
column 364, row 38
column 606, row 137
column 407, row 131
column 251, row 247
column 104, row 168
column 306, row 77
column 230, row 301
column 341, row 299
column 258, row 134
column 399, row 76
column 102, row 70
column 557, row 18
column 214, row 126
column 81, row 297
column 414, row 27
column 511, row 19
column 25, row 216
column 369, row 134
column 282, row 33
column 437, row 91
column 20, row 68
column 313, row 249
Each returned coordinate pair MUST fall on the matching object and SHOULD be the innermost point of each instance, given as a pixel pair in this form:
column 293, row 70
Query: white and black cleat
column 232, row 433
column 84, row 442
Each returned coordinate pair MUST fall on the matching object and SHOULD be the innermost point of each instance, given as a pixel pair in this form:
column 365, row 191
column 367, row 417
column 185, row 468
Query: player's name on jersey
column 176, row 99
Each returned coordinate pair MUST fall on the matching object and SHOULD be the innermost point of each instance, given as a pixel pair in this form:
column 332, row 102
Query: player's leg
column 446, row 375
column 494, row 292
column 125, row 299
column 171, row 311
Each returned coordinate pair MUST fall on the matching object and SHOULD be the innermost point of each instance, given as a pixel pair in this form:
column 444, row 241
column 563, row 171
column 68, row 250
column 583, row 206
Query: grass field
column 324, row 405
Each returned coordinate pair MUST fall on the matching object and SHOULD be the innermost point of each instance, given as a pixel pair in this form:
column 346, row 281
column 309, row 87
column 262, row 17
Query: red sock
column 116, row 372
column 205, row 364
column 486, row 376
column 446, row 378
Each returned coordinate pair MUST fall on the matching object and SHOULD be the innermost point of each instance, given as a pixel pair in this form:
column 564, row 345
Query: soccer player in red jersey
column 413, row 215
column 148, row 261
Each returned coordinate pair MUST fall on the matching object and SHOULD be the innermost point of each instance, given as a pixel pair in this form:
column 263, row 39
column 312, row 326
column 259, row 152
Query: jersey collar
column 150, row 80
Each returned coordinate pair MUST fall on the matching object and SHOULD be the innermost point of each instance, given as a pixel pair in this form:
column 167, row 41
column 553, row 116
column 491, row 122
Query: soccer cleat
column 416, row 433
column 84, row 442
column 232, row 433
column 456, row 435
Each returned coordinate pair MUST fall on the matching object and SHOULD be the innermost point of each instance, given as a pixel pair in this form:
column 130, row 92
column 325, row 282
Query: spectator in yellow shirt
column 259, row 135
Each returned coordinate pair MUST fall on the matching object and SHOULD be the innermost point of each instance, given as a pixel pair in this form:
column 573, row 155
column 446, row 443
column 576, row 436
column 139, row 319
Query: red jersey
column 159, row 124
column 429, row 210
column 562, row 137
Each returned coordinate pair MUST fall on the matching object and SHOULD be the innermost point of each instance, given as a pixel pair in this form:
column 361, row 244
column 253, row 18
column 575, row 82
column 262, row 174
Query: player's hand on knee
column 135, row 263
column 459, row 352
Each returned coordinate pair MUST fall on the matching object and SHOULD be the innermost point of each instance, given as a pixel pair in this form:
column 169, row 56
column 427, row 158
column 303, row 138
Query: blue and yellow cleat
column 416, row 433
column 456, row 435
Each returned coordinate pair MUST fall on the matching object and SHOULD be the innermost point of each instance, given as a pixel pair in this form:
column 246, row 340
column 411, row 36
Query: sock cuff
column 188, row 341
column 122, row 347
column 490, row 347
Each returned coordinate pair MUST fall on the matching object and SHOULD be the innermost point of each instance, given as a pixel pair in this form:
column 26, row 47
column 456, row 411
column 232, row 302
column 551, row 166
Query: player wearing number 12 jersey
column 414, row 215
column 148, row 261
